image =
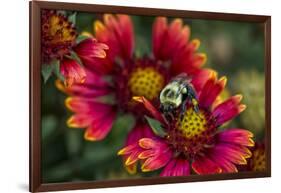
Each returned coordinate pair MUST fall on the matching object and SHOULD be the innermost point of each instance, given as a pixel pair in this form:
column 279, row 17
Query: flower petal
column 236, row 136
column 91, row 48
column 100, row 127
column 158, row 35
column 200, row 78
column 148, row 143
column 141, row 130
column 224, row 164
column 171, row 42
column 156, row 154
column 187, row 60
column 154, row 112
column 94, row 86
column 72, row 72
column 228, row 109
column 156, row 162
column 204, row 165
column 79, row 121
column 116, row 32
column 211, row 91
column 231, row 153
column 97, row 117
column 93, row 54
column 131, row 150
column 176, row 167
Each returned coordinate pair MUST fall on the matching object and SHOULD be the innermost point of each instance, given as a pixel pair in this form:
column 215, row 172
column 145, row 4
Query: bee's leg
column 195, row 105
column 183, row 109
column 169, row 116
column 196, row 108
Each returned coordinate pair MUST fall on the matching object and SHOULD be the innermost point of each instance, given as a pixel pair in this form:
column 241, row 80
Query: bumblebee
column 176, row 95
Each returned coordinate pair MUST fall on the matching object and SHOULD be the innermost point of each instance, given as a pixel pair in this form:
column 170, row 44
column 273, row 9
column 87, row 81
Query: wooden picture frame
column 35, row 93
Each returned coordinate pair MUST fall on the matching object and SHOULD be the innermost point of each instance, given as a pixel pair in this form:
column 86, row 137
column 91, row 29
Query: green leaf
column 46, row 71
column 72, row 18
column 52, row 67
column 156, row 127
column 56, row 66
column 74, row 56
column 80, row 38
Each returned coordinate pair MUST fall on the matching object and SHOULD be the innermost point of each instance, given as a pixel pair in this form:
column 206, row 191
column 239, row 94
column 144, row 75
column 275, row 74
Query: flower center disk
column 193, row 124
column 58, row 35
column 258, row 160
column 147, row 82
column 192, row 133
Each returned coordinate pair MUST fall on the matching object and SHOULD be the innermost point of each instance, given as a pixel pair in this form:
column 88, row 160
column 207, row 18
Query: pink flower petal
column 91, row 48
column 228, row 109
column 200, row 78
column 116, row 32
column 131, row 150
column 127, row 149
column 146, row 154
column 236, row 136
column 224, row 164
column 141, row 130
column 187, row 60
column 148, row 143
column 87, row 105
column 154, row 112
column 93, row 86
column 204, row 165
column 211, row 90
column 231, row 153
column 79, row 121
column 171, row 42
column 100, row 127
column 93, row 55
column 158, row 35
column 176, row 167
column 156, row 162
column 156, row 153
column 72, row 72
column 97, row 117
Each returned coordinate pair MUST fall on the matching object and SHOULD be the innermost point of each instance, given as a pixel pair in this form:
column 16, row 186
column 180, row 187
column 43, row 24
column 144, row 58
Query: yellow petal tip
column 196, row 43
column 137, row 98
column 223, row 80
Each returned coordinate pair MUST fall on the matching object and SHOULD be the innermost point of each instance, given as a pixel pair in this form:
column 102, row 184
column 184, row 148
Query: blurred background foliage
column 234, row 49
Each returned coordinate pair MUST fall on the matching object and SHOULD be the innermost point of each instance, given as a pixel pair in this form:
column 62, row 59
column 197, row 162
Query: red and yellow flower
column 121, row 75
column 59, row 40
column 195, row 142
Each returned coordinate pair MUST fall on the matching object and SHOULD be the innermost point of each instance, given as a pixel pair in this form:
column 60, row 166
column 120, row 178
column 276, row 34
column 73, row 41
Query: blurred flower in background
column 59, row 38
column 252, row 84
column 257, row 162
column 194, row 140
column 121, row 75
column 221, row 47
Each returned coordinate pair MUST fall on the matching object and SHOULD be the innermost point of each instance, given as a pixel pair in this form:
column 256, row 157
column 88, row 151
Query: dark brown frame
column 36, row 184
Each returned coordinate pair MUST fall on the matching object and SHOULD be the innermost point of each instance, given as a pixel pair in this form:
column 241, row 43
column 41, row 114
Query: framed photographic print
column 124, row 96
